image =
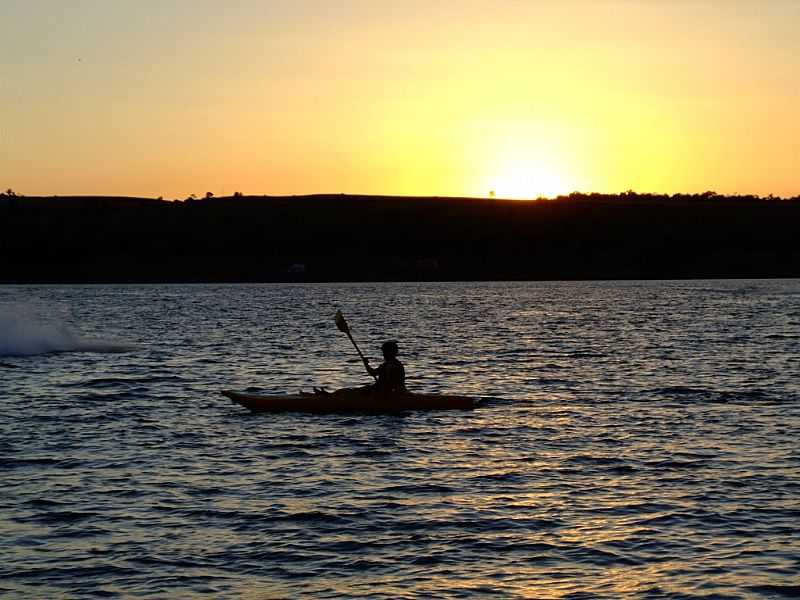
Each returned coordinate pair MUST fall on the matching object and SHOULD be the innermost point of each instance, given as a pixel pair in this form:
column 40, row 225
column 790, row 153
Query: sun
column 527, row 180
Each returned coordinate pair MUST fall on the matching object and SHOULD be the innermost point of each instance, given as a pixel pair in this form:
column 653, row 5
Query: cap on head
column 390, row 349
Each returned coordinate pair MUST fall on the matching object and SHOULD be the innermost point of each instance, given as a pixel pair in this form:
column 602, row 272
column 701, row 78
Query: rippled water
column 640, row 440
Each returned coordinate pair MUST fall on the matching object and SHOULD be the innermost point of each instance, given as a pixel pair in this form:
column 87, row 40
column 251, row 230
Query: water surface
column 639, row 440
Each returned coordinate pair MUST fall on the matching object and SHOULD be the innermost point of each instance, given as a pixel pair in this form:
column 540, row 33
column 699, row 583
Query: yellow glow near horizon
column 523, row 179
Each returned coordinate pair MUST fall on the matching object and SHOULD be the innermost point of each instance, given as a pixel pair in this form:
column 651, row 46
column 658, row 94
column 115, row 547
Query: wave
column 24, row 335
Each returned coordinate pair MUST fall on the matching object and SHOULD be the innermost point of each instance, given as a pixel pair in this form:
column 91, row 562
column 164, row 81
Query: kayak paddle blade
column 341, row 324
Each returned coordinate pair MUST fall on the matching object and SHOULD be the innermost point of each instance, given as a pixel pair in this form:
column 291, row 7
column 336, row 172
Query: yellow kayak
column 350, row 400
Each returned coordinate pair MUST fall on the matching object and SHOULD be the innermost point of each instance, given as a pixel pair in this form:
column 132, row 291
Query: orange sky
column 415, row 97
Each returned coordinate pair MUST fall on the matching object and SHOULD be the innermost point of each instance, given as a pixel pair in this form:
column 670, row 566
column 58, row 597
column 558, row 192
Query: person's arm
column 370, row 370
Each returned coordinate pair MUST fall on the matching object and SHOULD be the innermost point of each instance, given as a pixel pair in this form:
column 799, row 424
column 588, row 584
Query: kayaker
column 390, row 374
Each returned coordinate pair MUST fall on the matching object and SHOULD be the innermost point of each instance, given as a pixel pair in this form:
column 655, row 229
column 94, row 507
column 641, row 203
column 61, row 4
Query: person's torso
column 391, row 375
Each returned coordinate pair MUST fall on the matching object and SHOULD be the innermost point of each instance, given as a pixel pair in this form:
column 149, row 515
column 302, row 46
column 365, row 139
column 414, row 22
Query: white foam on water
column 22, row 334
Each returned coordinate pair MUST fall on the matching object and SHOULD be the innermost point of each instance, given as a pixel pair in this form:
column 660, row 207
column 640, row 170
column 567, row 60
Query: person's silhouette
column 391, row 375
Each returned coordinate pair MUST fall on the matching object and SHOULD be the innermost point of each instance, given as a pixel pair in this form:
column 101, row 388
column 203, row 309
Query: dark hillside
column 318, row 238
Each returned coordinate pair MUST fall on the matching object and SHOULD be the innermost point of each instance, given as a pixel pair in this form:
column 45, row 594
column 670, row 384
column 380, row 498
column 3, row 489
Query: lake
column 637, row 439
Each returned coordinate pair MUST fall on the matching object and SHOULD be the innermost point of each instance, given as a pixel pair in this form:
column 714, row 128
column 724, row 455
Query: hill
column 364, row 238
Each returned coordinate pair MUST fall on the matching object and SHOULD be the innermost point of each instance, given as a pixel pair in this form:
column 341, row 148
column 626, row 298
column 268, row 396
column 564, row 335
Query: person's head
column 390, row 349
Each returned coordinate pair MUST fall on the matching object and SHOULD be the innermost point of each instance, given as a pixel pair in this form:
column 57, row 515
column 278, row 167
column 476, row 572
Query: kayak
column 350, row 400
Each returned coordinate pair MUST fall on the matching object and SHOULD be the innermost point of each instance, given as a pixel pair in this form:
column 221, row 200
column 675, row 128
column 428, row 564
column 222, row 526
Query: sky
column 508, row 98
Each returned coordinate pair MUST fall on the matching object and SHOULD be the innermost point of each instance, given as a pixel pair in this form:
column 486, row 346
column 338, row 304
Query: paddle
column 342, row 326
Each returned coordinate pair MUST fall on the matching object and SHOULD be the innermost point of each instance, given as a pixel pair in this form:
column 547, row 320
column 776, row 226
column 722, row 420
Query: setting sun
column 526, row 180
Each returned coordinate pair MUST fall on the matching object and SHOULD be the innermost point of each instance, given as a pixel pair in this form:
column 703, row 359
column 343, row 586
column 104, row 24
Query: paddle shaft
column 364, row 360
